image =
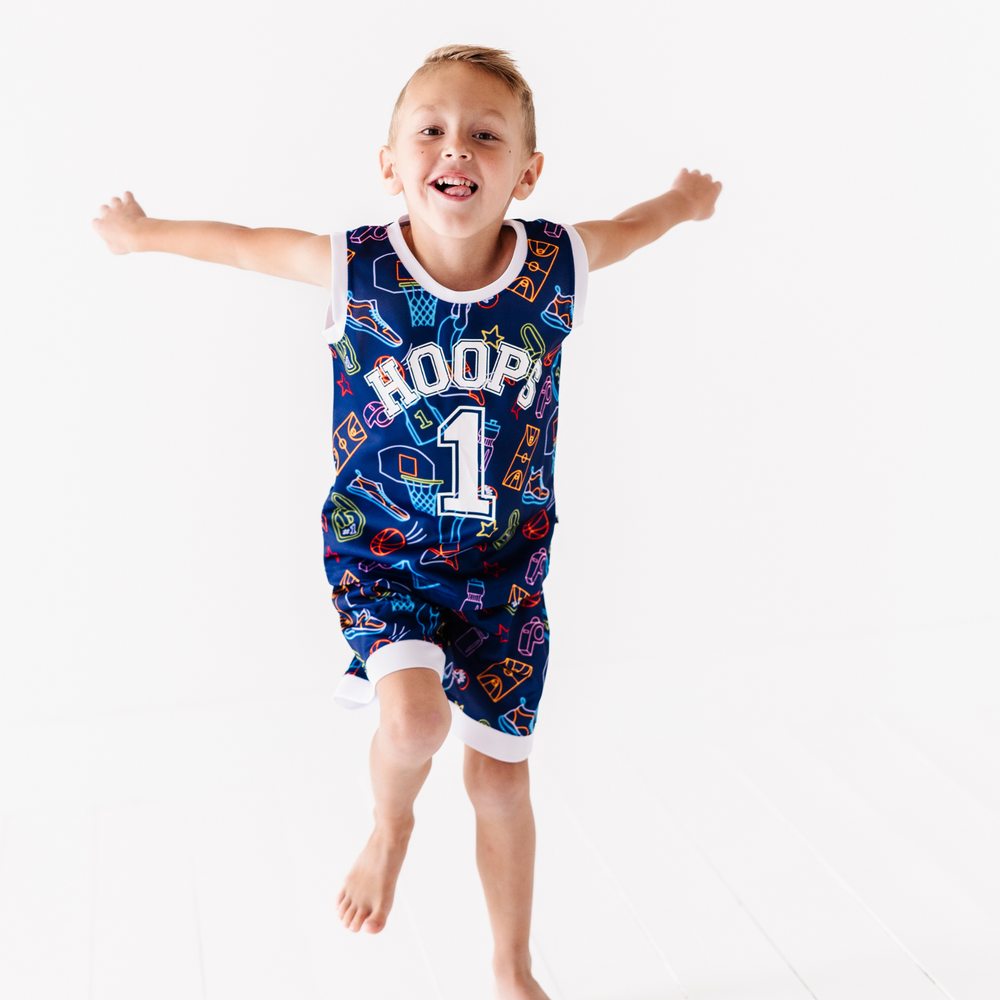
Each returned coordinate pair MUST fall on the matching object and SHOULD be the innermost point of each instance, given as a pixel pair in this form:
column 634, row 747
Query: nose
column 457, row 148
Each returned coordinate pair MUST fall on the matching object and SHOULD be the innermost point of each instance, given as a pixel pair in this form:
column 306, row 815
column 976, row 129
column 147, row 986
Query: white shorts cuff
column 403, row 655
column 492, row 742
column 354, row 692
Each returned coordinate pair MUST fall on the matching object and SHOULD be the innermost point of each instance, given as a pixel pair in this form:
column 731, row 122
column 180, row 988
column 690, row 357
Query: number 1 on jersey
column 462, row 431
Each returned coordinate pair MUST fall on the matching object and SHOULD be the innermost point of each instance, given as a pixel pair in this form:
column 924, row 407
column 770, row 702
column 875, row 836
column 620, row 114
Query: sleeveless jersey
column 445, row 416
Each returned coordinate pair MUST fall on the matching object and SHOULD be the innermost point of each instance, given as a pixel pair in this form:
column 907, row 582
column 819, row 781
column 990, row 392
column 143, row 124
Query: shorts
column 492, row 661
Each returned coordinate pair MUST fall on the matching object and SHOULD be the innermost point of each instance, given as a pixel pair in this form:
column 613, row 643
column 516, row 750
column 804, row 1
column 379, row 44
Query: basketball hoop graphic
column 423, row 492
column 411, row 467
column 423, row 305
column 389, row 275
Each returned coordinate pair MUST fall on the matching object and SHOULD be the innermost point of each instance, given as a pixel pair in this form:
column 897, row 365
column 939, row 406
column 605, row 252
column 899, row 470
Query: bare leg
column 505, row 853
column 414, row 720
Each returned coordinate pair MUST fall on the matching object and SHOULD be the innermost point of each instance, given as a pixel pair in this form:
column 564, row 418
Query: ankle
column 512, row 968
column 394, row 829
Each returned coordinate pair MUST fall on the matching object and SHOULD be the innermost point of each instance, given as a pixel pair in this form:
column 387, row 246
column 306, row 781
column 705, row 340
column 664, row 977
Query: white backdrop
column 778, row 458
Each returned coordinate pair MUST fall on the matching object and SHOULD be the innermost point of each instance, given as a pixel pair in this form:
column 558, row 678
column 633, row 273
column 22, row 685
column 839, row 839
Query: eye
column 431, row 128
column 484, row 135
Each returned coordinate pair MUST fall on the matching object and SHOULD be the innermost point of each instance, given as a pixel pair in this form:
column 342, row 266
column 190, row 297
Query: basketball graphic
column 387, row 541
column 537, row 527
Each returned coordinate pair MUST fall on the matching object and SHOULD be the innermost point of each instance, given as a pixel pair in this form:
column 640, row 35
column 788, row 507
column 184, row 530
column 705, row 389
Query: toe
column 360, row 916
column 347, row 917
column 374, row 923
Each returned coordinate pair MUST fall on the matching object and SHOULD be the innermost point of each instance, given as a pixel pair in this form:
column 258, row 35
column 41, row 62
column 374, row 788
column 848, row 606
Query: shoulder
column 366, row 242
column 546, row 231
column 362, row 235
column 557, row 249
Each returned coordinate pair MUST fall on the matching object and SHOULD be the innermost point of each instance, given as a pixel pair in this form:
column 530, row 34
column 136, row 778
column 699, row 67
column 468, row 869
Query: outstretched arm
column 691, row 198
column 285, row 253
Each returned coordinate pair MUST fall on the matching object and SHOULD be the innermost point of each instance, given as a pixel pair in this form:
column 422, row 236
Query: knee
column 495, row 786
column 416, row 731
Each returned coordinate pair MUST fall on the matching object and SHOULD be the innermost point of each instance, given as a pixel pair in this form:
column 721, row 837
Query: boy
column 446, row 330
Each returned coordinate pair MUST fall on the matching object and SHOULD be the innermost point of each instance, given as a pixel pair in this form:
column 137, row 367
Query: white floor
column 195, row 854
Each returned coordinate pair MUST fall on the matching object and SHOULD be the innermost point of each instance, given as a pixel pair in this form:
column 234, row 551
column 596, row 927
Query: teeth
column 454, row 181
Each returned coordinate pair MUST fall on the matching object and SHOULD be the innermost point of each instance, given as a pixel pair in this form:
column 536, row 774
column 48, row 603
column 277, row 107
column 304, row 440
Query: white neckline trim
column 449, row 294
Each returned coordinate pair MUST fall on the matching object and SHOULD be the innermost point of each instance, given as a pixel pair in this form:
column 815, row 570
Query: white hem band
column 489, row 741
column 403, row 655
column 336, row 311
column 355, row 692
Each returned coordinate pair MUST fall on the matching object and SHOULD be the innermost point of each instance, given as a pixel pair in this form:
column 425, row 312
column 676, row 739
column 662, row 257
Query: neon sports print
column 444, row 420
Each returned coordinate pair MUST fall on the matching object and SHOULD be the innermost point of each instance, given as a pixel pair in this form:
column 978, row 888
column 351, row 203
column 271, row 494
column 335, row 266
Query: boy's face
column 459, row 124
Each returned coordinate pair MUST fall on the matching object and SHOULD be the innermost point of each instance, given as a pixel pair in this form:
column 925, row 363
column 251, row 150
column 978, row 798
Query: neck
column 462, row 263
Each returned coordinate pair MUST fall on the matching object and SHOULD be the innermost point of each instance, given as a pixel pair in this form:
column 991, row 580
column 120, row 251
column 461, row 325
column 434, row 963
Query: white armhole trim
column 336, row 311
column 581, row 269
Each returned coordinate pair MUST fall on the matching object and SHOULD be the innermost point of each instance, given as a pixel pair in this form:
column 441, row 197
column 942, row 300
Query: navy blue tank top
column 445, row 418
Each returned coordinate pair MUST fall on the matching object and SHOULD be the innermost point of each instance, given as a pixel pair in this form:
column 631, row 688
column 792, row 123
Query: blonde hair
column 496, row 62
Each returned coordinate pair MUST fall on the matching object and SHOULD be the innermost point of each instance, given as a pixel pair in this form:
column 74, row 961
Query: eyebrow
column 486, row 111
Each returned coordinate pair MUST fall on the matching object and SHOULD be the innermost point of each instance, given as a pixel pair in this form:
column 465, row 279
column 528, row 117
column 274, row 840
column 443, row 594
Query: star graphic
column 345, row 386
column 516, row 410
column 497, row 337
column 502, row 632
column 493, row 569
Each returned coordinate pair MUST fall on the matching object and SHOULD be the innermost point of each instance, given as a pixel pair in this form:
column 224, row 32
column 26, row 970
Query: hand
column 700, row 191
column 118, row 223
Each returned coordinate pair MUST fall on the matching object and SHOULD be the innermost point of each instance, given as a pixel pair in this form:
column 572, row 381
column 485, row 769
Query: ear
column 529, row 176
column 390, row 181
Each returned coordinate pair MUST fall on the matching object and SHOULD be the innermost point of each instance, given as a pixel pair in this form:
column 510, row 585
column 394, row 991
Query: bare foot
column 366, row 896
column 521, row 987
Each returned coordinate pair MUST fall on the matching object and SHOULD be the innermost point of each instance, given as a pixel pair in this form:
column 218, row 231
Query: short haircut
column 497, row 63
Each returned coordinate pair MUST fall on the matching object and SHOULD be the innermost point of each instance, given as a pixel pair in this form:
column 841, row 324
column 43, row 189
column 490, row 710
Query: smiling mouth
column 454, row 188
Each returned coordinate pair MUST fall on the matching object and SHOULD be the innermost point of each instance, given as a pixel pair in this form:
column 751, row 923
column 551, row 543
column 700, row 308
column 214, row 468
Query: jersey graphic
column 444, row 434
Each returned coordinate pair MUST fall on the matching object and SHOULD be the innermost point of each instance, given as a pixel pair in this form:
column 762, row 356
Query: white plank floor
column 195, row 854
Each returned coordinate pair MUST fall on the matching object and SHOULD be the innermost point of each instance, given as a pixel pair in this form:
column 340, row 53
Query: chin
column 452, row 225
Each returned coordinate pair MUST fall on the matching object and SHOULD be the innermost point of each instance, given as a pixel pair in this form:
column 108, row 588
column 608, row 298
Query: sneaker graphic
column 364, row 624
column 362, row 314
column 519, row 721
column 371, row 490
column 559, row 312
column 535, row 492
column 440, row 554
